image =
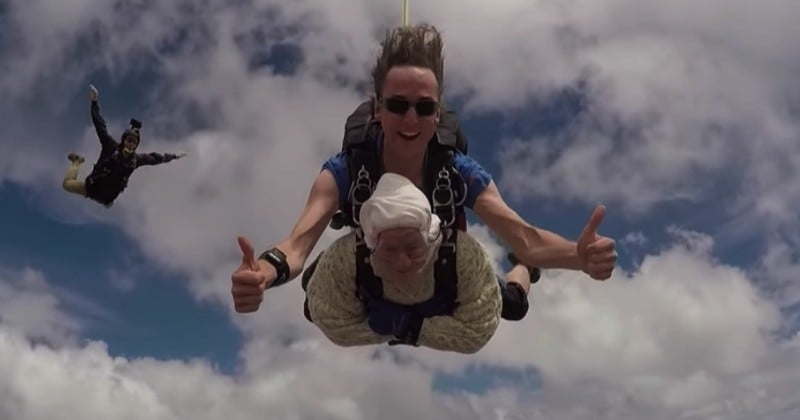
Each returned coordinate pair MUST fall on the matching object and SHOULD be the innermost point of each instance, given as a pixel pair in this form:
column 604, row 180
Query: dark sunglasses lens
column 397, row 106
column 425, row 108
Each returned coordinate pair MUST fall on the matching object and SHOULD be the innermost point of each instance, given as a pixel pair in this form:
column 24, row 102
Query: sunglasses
column 424, row 108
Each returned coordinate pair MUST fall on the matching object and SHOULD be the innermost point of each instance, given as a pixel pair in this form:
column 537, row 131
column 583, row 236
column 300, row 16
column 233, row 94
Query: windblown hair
column 418, row 45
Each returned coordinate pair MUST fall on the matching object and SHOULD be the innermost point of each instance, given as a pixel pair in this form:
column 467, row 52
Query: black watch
column 277, row 259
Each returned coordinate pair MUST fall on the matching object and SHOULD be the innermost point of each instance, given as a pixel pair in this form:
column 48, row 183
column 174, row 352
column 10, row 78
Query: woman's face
column 408, row 110
column 129, row 144
column 401, row 251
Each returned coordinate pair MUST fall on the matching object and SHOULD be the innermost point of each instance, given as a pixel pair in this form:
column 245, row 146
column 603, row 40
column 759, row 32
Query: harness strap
column 368, row 285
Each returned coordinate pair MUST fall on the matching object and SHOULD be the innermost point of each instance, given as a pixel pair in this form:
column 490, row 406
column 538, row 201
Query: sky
column 682, row 117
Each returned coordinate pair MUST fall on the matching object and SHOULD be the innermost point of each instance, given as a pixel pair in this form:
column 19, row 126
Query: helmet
column 134, row 129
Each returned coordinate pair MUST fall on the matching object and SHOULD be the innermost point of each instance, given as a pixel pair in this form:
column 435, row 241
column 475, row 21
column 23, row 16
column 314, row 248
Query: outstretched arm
column 106, row 141
column 152, row 159
column 534, row 246
column 322, row 203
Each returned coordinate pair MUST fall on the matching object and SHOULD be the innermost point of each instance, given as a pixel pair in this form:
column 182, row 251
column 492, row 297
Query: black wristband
column 535, row 272
column 277, row 259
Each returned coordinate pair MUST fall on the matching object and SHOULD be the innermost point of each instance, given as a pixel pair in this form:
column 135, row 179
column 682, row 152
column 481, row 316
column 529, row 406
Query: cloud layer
column 682, row 335
column 678, row 102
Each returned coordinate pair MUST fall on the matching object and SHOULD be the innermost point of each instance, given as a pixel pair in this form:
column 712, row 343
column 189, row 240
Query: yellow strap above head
column 405, row 12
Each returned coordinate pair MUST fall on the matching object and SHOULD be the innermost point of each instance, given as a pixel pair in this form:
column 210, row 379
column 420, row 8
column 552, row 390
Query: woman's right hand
column 250, row 280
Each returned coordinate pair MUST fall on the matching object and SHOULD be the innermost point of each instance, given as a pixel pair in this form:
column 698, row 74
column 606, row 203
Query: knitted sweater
column 339, row 314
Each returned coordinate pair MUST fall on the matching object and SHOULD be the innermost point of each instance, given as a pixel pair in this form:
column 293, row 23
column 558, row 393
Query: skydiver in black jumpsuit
column 116, row 163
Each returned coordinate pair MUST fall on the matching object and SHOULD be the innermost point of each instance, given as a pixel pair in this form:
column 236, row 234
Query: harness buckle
column 443, row 199
column 360, row 191
column 447, row 244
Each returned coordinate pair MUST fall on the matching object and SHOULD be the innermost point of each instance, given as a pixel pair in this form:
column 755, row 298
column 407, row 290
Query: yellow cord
column 405, row 12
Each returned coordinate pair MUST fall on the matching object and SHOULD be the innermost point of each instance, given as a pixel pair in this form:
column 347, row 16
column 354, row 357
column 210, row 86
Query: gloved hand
column 172, row 156
column 387, row 318
column 92, row 93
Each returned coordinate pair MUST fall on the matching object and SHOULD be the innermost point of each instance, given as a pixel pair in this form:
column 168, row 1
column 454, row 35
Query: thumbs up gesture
column 597, row 254
column 250, row 279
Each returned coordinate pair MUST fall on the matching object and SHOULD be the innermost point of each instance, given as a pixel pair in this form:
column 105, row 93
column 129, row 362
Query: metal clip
column 360, row 191
column 447, row 239
column 442, row 197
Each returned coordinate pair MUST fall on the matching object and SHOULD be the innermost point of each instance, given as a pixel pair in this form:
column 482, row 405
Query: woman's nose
column 402, row 263
column 411, row 116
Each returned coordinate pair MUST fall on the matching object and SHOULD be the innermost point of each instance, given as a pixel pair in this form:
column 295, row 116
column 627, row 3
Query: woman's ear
column 376, row 111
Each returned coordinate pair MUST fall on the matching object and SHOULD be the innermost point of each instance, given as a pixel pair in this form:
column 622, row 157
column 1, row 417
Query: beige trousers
column 71, row 182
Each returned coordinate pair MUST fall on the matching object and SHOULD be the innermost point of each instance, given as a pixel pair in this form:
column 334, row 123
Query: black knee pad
column 515, row 302
column 307, row 273
column 306, row 311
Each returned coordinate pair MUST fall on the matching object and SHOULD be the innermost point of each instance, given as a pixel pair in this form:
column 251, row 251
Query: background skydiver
column 116, row 162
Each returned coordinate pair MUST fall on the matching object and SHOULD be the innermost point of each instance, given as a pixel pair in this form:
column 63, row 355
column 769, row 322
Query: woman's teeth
column 409, row 135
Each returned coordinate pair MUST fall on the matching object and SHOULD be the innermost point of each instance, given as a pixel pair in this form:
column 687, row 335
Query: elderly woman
column 403, row 237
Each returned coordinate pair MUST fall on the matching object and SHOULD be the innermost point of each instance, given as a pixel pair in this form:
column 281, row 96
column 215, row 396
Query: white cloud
column 30, row 306
column 85, row 382
column 667, row 338
column 678, row 98
column 694, row 95
column 676, row 94
column 634, row 239
column 780, row 269
column 684, row 336
column 81, row 380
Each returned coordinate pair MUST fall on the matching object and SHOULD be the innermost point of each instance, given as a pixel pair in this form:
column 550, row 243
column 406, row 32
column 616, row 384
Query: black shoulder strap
column 357, row 126
column 449, row 132
column 445, row 190
column 360, row 132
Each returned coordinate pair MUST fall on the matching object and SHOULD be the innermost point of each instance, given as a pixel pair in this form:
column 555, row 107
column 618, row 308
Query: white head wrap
column 397, row 202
